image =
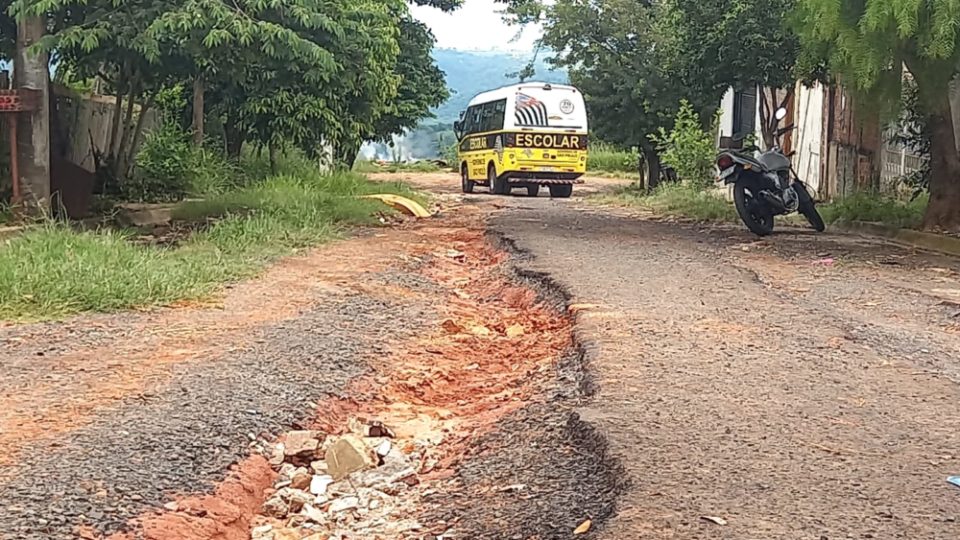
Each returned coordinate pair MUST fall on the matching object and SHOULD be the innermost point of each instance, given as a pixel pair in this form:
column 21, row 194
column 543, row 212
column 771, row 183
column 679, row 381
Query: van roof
column 505, row 91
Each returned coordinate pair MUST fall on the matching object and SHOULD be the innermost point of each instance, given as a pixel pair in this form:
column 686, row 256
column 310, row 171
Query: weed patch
column 53, row 271
column 875, row 208
column 607, row 159
column 676, row 199
column 417, row 167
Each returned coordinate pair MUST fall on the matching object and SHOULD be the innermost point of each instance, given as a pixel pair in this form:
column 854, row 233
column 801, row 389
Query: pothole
column 468, row 432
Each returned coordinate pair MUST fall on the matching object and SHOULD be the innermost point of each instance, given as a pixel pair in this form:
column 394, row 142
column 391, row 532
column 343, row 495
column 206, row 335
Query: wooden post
column 31, row 72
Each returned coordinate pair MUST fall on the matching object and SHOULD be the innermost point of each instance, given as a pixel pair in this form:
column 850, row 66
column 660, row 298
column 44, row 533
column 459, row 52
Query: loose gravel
column 183, row 437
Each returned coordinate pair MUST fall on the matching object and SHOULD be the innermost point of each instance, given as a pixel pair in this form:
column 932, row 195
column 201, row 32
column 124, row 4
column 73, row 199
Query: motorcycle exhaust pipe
column 775, row 202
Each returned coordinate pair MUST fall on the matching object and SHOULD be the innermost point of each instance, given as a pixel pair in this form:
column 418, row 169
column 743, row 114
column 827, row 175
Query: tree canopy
column 868, row 43
column 306, row 73
column 713, row 46
column 612, row 54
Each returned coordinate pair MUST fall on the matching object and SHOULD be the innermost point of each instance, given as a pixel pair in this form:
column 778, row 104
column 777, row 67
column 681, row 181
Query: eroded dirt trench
column 431, row 330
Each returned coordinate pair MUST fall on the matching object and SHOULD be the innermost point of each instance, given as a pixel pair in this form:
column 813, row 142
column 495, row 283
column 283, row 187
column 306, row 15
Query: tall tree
column 869, row 42
column 611, row 54
column 712, row 46
column 421, row 85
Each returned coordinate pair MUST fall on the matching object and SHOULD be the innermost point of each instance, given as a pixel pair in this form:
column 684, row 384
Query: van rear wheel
column 561, row 191
column 498, row 186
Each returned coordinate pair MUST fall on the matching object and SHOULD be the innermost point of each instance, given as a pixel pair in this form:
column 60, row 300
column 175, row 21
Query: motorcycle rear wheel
column 754, row 213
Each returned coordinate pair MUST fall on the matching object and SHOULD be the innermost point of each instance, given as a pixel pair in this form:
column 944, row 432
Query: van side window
column 476, row 119
column 468, row 126
column 495, row 112
column 485, row 117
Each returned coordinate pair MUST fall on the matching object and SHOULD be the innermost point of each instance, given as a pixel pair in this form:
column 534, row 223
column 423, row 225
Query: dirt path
column 152, row 425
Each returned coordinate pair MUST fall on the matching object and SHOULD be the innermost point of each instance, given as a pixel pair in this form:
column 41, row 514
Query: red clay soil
column 223, row 515
column 150, row 344
column 484, row 360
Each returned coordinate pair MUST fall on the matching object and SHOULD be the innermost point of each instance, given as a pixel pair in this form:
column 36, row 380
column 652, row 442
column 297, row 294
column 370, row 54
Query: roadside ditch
column 468, row 432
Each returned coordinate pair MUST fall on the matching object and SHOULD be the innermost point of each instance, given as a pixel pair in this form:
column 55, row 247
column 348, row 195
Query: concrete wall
column 86, row 122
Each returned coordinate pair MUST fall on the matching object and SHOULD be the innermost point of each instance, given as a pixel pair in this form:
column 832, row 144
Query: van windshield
column 558, row 108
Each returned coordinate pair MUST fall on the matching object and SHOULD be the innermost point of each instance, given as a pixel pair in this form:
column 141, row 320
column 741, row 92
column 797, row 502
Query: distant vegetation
column 467, row 74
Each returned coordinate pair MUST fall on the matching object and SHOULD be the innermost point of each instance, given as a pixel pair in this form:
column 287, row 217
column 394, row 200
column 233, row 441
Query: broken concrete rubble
column 302, row 444
column 263, row 532
column 319, row 484
column 378, row 429
column 343, row 504
column 314, row 514
column 294, row 498
column 301, row 478
column 276, row 507
column 347, row 455
column 361, row 490
column 395, row 468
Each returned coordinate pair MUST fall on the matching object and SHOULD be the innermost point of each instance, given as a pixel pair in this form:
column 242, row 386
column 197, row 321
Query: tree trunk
column 943, row 210
column 131, row 152
column 115, row 123
column 347, row 155
column 198, row 91
column 767, row 118
column 652, row 160
column 121, row 151
column 233, row 137
column 273, row 157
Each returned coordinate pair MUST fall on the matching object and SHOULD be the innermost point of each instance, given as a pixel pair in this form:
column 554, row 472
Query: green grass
column 53, row 271
column 681, row 200
column 875, row 208
column 363, row 166
column 678, row 200
column 608, row 160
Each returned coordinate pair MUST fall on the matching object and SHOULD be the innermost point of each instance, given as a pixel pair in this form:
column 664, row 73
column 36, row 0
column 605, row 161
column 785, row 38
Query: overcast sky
column 477, row 26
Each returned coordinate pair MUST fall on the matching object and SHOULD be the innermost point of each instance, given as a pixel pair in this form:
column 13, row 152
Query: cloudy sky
column 475, row 26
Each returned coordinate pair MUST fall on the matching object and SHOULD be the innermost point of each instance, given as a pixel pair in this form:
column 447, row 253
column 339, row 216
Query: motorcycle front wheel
column 754, row 213
column 808, row 208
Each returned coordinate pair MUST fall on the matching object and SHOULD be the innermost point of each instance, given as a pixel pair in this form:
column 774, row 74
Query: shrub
column 210, row 173
column 162, row 167
column 687, row 148
column 679, row 200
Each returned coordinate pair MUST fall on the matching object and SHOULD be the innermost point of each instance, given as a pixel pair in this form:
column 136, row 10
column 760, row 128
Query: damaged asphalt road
column 751, row 389
column 547, row 366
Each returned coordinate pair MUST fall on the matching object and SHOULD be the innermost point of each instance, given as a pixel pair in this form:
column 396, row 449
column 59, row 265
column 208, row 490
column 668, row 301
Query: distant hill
column 469, row 73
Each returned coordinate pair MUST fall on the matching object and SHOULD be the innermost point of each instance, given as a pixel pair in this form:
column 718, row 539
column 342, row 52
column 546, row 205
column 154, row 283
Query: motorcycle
column 766, row 185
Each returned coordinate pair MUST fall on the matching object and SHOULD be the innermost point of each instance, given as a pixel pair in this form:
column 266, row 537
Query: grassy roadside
column 675, row 200
column 874, row 208
column 53, row 271
column 369, row 167
column 680, row 200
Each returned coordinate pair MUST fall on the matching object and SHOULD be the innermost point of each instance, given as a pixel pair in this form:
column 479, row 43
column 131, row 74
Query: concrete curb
column 923, row 240
column 10, row 232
